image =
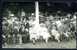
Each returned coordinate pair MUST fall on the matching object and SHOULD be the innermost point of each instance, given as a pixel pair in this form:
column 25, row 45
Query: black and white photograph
column 39, row 24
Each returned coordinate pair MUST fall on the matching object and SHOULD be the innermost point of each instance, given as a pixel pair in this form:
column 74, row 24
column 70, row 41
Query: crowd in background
column 16, row 29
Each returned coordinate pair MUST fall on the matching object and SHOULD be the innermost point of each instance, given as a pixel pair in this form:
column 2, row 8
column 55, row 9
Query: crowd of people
column 59, row 27
column 15, row 29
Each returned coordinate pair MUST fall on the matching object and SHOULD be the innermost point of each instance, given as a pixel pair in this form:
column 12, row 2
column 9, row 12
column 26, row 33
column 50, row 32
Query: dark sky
column 41, row 0
column 48, row 5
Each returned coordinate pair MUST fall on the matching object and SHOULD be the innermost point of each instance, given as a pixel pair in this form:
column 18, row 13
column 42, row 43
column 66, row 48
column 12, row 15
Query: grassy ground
column 50, row 44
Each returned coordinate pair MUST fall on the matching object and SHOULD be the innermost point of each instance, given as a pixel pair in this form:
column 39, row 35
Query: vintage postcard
column 37, row 24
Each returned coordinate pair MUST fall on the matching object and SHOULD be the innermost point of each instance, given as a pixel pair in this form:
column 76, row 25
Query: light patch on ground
column 50, row 44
